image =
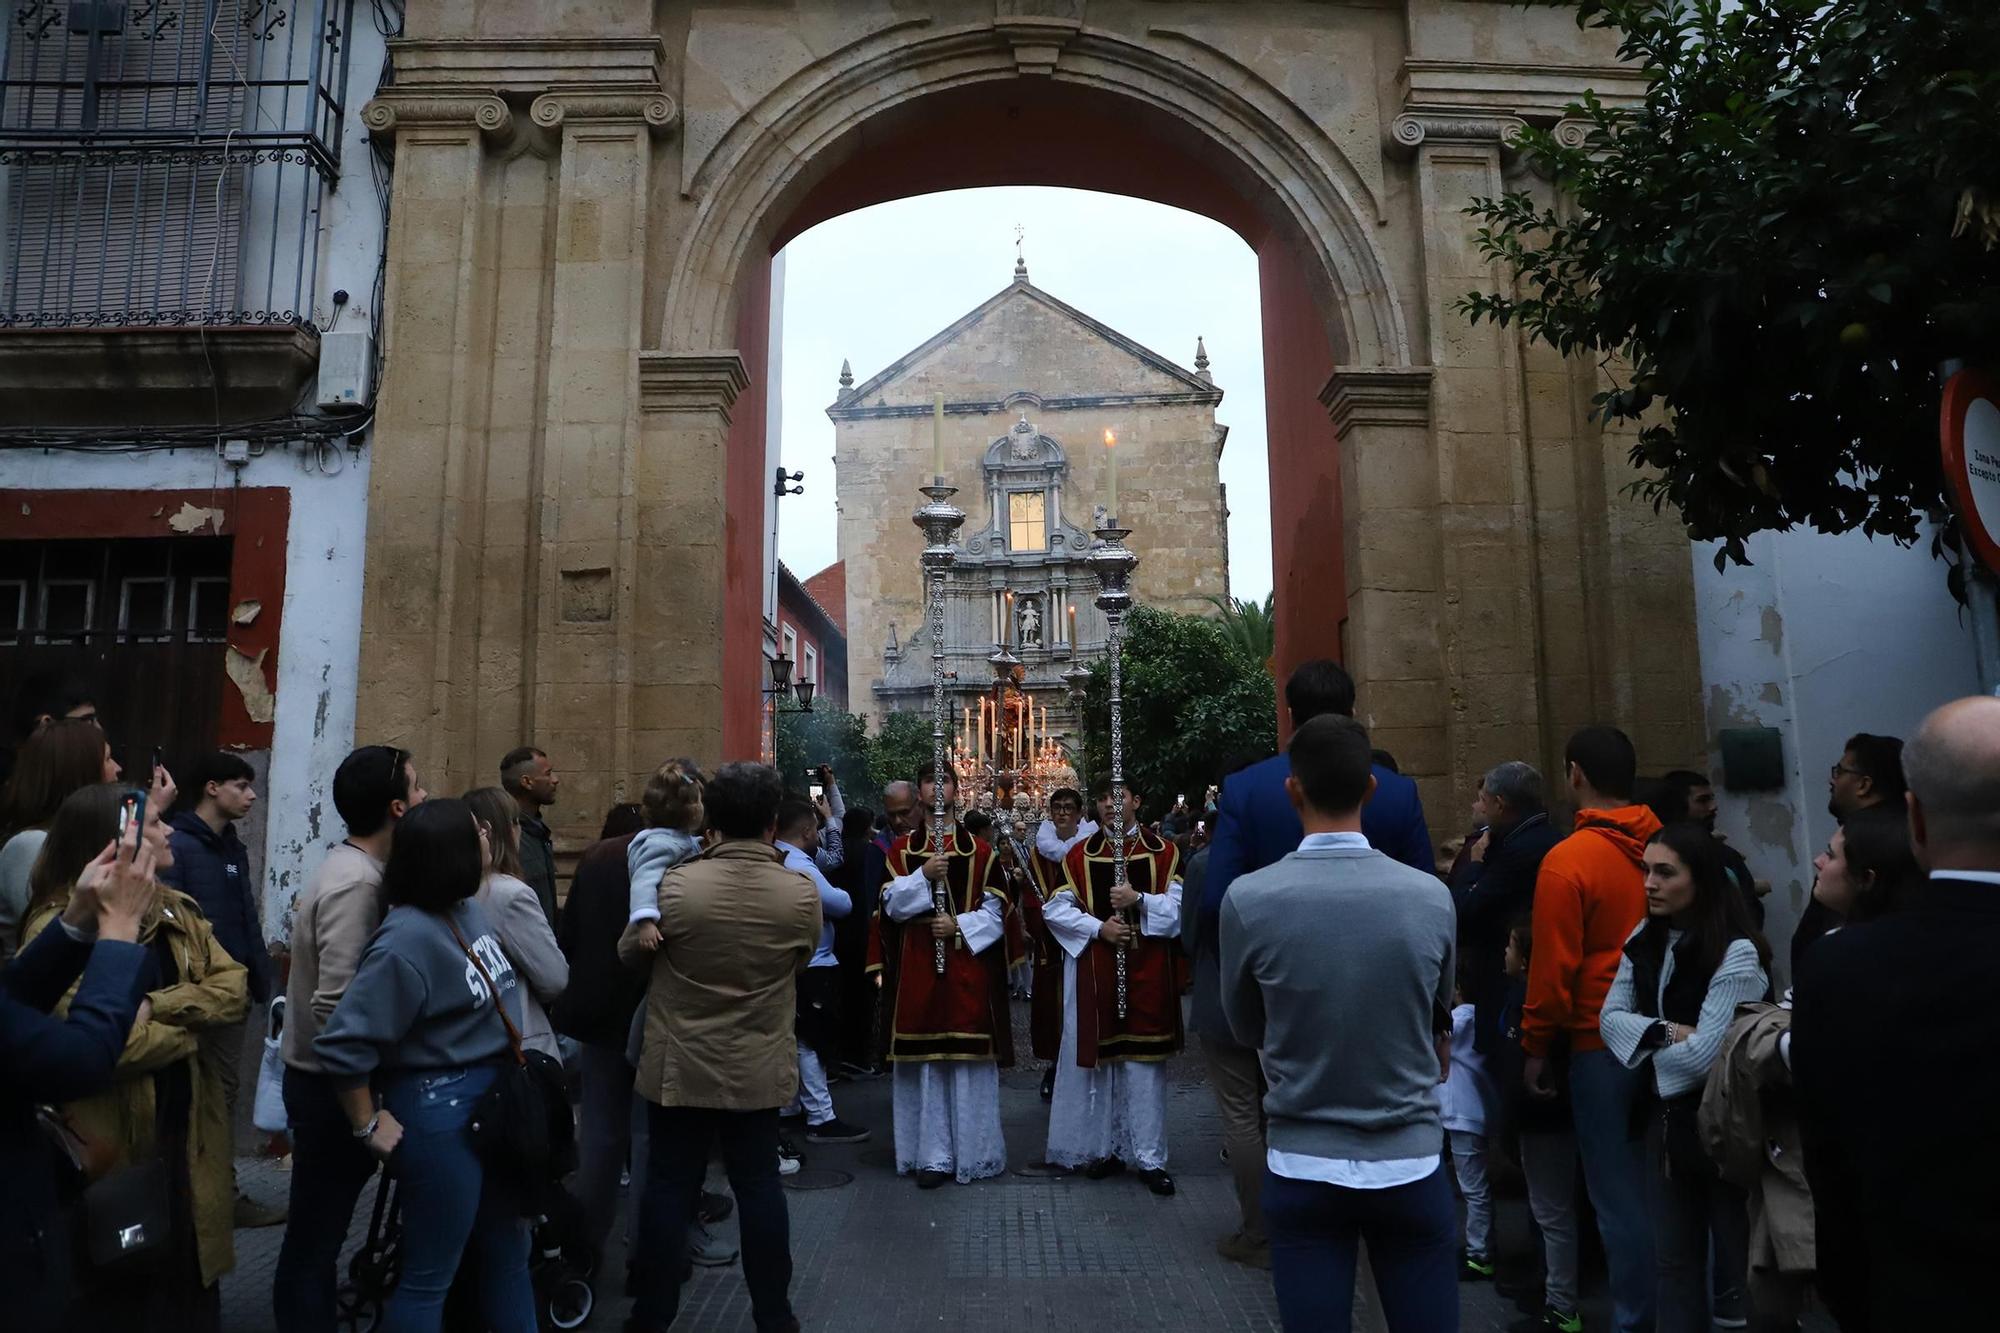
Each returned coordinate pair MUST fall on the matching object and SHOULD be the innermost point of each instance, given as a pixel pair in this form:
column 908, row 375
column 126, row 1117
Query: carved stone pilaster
column 1420, row 128
column 395, row 109
column 597, row 102
column 1377, row 396
column 691, row 382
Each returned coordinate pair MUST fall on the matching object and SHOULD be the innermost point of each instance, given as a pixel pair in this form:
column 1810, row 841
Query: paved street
column 1019, row 1253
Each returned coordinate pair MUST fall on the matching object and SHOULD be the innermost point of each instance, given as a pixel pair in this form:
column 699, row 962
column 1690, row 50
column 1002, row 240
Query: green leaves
column 1194, row 699
column 1776, row 243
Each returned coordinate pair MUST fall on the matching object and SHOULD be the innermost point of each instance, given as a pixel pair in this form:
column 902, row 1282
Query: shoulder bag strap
column 513, row 1033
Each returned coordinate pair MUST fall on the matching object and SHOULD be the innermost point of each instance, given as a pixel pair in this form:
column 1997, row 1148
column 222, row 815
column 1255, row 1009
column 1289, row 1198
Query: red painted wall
column 746, row 490
column 258, row 517
column 1307, row 566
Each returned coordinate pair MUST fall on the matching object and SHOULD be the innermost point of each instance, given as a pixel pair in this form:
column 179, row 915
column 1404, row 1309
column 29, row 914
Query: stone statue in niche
column 1030, row 616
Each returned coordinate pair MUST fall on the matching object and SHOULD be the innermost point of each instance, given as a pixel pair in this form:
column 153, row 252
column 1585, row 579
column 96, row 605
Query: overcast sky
column 873, row 284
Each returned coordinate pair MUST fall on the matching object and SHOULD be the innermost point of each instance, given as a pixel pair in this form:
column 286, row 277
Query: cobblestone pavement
column 1018, row 1253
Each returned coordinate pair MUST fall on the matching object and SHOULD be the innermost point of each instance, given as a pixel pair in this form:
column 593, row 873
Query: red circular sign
column 1970, row 431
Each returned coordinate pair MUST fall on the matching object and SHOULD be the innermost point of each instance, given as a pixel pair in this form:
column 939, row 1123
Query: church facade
column 1031, row 385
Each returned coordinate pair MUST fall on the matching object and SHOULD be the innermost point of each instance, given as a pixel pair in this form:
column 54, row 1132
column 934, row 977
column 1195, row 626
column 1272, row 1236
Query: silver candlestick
column 1113, row 563
column 939, row 521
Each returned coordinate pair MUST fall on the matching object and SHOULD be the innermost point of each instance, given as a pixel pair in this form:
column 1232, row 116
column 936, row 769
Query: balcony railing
column 164, row 162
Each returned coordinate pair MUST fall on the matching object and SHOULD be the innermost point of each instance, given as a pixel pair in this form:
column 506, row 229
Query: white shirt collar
column 1974, row 876
column 1321, row 841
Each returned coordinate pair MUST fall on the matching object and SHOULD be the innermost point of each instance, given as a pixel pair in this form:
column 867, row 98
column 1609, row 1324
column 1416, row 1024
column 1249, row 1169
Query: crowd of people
column 1581, row 1007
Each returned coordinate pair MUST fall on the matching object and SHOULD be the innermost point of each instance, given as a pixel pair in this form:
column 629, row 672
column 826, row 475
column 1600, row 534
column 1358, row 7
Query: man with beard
column 1869, row 774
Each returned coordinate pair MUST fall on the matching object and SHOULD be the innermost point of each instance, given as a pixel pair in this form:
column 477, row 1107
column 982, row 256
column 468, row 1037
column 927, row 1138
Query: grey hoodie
column 417, row 1002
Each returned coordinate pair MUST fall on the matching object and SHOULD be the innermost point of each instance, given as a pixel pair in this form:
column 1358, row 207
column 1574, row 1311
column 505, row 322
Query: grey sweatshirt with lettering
column 417, row 1001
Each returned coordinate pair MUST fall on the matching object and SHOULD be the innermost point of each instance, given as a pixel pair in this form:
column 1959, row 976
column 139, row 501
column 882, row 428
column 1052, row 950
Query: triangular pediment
column 1022, row 340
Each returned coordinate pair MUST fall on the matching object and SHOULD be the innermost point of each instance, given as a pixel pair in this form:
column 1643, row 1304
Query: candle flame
column 1110, row 440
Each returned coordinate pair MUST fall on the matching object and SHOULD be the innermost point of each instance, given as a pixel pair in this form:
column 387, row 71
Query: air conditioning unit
column 346, row 361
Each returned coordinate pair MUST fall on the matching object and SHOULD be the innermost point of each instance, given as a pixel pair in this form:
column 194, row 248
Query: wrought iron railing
column 164, row 162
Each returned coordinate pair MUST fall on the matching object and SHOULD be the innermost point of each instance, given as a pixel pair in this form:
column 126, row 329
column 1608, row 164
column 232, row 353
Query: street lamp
column 781, row 687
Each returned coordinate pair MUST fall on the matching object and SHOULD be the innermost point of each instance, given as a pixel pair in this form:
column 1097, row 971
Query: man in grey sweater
column 1336, row 968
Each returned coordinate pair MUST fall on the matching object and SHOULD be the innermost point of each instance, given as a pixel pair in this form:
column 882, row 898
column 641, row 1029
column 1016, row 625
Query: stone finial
column 1020, row 259
column 1201, row 360
column 846, row 374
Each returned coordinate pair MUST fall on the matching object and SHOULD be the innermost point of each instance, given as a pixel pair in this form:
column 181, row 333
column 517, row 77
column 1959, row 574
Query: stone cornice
column 1431, row 127
column 402, row 108
column 632, row 104
column 531, row 65
column 1538, row 93
column 1377, row 396
column 879, row 411
column 691, row 382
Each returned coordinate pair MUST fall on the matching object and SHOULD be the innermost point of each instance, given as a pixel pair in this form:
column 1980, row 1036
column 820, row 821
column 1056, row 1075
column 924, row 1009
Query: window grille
column 164, row 162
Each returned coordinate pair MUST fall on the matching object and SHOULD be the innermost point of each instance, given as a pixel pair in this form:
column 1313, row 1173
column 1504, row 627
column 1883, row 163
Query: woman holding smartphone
column 165, row 1105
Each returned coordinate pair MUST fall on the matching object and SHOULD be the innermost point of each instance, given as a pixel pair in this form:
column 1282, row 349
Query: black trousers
column 677, row 1160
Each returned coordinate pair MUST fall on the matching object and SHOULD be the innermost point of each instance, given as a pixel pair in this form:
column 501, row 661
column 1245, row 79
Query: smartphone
column 817, row 791
column 131, row 813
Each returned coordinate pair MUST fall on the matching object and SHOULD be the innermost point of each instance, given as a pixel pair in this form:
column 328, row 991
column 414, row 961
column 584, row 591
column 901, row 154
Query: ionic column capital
column 1421, row 127
column 635, row 104
column 395, row 109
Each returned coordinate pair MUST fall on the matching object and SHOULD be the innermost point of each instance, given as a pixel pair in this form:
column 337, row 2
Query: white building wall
column 320, row 637
column 1821, row 637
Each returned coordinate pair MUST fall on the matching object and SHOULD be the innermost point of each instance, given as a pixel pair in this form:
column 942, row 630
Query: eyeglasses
column 1838, row 769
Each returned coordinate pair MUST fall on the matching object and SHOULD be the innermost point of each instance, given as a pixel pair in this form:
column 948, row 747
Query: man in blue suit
column 1255, row 824
column 1255, row 827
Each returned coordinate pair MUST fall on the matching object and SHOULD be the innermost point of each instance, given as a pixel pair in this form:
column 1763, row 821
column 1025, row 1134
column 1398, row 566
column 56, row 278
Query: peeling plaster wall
column 1821, row 637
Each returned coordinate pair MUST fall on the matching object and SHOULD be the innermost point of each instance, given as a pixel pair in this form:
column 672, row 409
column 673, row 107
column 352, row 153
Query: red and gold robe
column 1151, row 1028
column 962, row 1013
column 1045, row 1009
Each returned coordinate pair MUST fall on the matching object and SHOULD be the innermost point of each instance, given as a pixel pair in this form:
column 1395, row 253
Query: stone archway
column 565, row 536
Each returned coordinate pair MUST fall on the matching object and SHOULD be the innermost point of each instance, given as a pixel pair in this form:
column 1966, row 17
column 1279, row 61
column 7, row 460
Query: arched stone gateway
column 567, row 534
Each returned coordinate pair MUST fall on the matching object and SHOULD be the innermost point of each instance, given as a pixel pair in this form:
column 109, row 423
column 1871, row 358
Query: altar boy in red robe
column 947, row 1033
column 1109, row 1110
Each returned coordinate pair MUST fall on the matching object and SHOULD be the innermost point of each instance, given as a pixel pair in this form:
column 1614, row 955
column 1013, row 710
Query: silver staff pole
column 1113, row 563
column 940, row 521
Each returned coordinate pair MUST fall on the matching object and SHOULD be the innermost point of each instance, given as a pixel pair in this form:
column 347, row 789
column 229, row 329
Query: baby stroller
column 561, row 1263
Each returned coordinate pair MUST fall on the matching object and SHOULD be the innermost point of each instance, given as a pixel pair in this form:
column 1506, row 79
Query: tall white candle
column 1110, row 449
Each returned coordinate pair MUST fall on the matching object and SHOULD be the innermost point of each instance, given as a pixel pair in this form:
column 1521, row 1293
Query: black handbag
column 128, row 1220
column 521, row 1126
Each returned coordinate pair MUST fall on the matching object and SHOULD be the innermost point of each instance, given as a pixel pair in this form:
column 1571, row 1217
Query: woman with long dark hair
column 1867, row 865
column 66, row 755
column 1685, row 969
column 421, row 1020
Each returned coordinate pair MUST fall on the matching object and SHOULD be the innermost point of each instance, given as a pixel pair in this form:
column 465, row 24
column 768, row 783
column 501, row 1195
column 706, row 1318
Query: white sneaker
column 787, row 1166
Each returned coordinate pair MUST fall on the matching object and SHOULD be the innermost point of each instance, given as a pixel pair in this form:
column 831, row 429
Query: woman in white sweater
column 525, row 933
column 1686, row 967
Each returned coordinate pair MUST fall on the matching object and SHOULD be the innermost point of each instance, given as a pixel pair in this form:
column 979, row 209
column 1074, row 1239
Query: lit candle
column 937, row 440
column 1111, row 450
column 1072, row 627
column 1007, row 625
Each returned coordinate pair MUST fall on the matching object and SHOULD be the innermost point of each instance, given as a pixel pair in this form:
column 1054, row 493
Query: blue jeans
column 679, row 1140
column 1601, row 1093
column 329, row 1170
column 1412, row 1235
column 451, row 1208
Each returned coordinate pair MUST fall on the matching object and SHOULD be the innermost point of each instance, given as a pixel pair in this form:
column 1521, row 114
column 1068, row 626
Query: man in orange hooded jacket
column 1589, row 895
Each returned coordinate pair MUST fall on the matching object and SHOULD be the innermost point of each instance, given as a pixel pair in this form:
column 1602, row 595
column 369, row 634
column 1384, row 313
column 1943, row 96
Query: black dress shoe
column 930, row 1180
column 1103, row 1168
column 715, row 1207
column 1158, row 1181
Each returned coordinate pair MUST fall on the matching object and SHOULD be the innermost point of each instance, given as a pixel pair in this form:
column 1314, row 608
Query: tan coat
column 118, row 1125
column 1749, row 1127
column 736, row 929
